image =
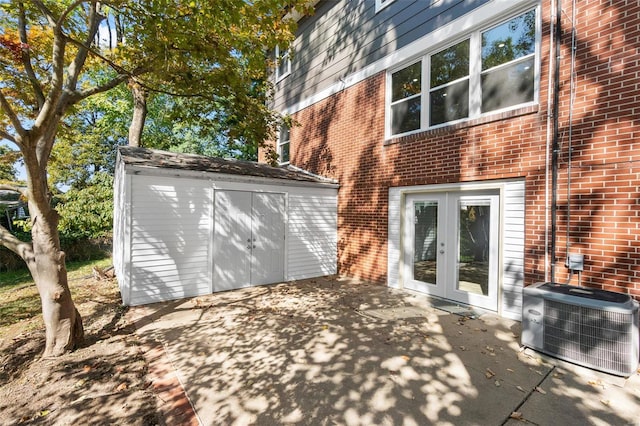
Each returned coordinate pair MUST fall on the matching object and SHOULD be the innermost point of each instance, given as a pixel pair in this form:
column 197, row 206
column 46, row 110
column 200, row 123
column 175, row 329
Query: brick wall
column 343, row 137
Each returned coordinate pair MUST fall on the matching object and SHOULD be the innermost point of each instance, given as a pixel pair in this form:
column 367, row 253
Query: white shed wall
column 171, row 224
column 312, row 234
column 164, row 229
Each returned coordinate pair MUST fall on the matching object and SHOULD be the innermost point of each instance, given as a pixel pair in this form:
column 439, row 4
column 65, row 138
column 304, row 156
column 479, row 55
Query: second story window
column 283, row 64
column 508, row 55
column 489, row 70
column 406, row 91
column 283, row 144
column 449, row 94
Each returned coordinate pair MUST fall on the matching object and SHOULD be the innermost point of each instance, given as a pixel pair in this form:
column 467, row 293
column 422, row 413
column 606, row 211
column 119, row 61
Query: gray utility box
column 594, row 328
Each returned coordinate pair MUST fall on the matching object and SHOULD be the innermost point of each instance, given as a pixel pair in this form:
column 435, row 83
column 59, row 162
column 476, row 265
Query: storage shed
column 188, row 225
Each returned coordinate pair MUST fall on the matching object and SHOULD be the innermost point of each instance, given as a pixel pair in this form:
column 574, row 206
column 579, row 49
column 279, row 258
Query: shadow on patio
column 333, row 351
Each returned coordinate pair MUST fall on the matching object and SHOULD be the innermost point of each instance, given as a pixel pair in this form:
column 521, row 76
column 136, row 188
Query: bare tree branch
column 13, row 188
column 57, row 79
column 22, row 249
column 74, row 69
column 15, row 121
column 26, row 57
column 9, row 137
column 69, row 9
column 45, row 10
column 78, row 96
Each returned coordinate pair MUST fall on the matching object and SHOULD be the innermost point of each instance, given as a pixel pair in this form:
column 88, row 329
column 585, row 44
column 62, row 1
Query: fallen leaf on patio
column 510, row 370
column 489, row 348
column 605, row 402
column 405, row 357
column 489, row 374
column 79, row 383
column 520, row 389
column 121, row 387
column 542, row 391
column 86, row 368
column 459, row 332
column 516, row 415
column 497, row 382
column 43, row 413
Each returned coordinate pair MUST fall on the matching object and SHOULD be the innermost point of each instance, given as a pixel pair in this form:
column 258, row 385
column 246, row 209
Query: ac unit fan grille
column 599, row 338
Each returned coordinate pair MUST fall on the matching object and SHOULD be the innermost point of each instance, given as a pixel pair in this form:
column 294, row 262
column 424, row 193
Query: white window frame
column 286, row 58
column 381, row 4
column 281, row 143
column 475, row 69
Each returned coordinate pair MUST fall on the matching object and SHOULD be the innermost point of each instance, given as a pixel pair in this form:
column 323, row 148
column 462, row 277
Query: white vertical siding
column 121, row 218
column 312, row 238
column 170, row 238
column 394, row 232
column 513, row 249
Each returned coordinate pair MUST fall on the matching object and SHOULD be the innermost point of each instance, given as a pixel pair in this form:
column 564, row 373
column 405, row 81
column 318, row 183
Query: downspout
column 547, row 162
column 556, row 141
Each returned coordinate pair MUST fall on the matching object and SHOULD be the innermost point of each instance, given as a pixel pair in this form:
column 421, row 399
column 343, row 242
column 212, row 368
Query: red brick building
column 438, row 122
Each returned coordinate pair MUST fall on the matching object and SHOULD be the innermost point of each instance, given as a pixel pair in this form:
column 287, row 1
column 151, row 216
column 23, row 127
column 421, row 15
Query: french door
column 451, row 246
column 248, row 239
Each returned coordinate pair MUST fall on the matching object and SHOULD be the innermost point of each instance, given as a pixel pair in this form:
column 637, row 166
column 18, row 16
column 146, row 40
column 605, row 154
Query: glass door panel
column 474, row 278
column 423, row 252
column 425, row 241
column 474, row 227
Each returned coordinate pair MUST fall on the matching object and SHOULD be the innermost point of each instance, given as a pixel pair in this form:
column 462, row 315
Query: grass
column 19, row 298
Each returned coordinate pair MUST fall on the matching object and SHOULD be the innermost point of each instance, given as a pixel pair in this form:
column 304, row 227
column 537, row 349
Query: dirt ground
column 102, row 382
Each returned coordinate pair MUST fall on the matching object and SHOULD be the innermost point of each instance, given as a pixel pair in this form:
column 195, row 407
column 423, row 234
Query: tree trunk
column 63, row 323
column 140, row 95
column 46, row 262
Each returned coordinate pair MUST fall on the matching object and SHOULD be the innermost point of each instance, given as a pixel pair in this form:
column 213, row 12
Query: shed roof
column 152, row 158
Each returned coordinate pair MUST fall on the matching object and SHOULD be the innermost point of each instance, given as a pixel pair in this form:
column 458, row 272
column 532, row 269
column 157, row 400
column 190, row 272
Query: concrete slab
column 333, row 351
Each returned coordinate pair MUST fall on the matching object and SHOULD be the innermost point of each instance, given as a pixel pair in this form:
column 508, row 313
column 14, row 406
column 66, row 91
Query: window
column 508, row 54
column 283, row 64
column 283, row 144
column 492, row 69
column 449, row 94
column 406, row 99
column 381, row 4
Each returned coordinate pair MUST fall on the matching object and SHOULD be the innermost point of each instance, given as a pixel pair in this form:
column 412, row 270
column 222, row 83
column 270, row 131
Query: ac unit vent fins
column 588, row 336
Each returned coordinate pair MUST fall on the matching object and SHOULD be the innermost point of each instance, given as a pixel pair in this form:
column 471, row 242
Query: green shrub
column 87, row 213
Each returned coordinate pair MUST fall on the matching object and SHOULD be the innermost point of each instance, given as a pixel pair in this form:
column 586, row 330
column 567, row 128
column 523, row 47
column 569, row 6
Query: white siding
column 170, row 238
column 121, row 235
column 312, row 233
column 513, row 249
column 394, row 232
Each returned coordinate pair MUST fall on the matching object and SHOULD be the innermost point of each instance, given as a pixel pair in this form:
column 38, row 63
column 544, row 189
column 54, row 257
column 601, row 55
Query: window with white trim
column 491, row 69
column 283, row 64
column 381, row 4
column 283, row 144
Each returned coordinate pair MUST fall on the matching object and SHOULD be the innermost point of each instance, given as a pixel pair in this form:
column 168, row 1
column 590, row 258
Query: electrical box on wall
column 575, row 262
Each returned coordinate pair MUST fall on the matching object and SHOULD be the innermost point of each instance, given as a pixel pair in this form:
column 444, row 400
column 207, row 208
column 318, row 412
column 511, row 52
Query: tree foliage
column 52, row 60
column 87, row 213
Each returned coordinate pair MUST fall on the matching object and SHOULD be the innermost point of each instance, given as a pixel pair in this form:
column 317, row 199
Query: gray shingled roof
column 170, row 160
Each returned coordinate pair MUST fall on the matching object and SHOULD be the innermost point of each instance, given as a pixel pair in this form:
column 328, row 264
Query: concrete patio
column 337, row 351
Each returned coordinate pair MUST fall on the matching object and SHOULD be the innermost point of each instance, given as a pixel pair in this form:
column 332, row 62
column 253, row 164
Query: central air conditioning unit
column 590, row 327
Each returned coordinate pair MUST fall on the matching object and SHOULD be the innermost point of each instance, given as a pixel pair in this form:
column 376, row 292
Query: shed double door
column 248, row 239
